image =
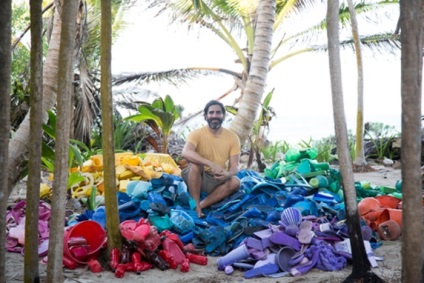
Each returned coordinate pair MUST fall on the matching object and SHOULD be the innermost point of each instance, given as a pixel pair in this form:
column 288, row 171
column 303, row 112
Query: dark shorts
column 209, row 183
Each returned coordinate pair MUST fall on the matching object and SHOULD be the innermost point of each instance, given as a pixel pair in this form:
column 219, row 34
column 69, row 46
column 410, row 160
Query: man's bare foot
column 200, row 213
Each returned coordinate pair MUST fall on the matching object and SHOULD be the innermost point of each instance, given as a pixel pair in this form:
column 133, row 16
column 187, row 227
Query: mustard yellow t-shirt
column 217, row 148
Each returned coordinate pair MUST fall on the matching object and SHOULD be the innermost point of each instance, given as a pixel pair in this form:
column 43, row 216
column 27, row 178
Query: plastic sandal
column 263, row 270
column 305, row 233
column 128, row 210
column 236, row 229
column 218, row 239
column 281, row 238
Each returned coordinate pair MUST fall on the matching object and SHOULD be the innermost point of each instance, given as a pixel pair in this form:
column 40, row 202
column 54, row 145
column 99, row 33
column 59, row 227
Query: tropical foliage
column 381, row 137
column 86, row 76
column 160, row 116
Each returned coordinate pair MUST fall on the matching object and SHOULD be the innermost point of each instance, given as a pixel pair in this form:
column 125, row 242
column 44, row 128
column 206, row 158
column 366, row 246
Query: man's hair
column 213, row 102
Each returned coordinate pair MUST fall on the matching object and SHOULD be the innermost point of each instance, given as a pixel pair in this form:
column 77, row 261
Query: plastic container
column 239, row 253
column 197, row 259
column 319, row 181
column 183, row 223
column 95, row 238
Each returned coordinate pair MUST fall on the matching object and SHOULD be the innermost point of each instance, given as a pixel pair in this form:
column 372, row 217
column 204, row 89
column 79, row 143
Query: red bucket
column 84, row 241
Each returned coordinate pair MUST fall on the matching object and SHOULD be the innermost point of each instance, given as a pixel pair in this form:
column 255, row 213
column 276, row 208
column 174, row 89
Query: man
column 213, row 153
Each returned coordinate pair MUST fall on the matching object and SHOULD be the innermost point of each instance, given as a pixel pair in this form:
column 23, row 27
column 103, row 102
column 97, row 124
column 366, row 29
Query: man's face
column 214, row 117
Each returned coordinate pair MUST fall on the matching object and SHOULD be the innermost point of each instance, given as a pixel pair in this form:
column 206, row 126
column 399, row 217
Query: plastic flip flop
column 281, row 238
column 161, row 222
column 305, row 233
column 160, row 208
column 218, row 239
column 236, row 229
column 128, row 210
column 263, row 270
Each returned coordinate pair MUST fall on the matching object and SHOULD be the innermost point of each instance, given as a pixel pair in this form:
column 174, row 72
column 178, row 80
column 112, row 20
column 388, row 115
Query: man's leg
column 221, row 192
column 195, row 185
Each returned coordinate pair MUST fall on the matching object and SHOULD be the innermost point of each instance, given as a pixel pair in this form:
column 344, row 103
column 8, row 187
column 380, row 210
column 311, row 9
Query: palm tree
column 112, row 221
column 235, row 21
column 361, row 271
column 86, row 90
column 255, row 85
column 65, row 78
column 359, row 160
column 34, row 179
column 411, row 25
column 19, row 143
column 5, row 70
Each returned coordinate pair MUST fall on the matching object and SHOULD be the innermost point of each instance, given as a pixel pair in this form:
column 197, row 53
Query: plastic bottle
column 398, row 186
column 169, row 258
column 136, row 260
column 115, row 257
column 185, row 265
column 69, row 263
column 94, row 266
column 154, row 259
column 197, row 259
column 120, row 270
column 129, row 266
column 125, row 254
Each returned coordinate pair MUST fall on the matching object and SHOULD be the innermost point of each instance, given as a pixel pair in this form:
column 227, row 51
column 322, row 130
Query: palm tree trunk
column 65, row 79
column 112, row 221
column 19, row 144
column 359, row 149
column 255, row 85
column 5, row 71
column 411, row 22
column 31, row 273
column 361, row 267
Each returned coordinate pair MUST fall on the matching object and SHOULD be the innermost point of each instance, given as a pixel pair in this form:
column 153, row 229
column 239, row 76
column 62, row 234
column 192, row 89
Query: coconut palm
column 87, row 63
column 5, row 70
column 361, row 271
column 234, row 22
column 33, row 186
column 411, row 27
column 112, row 221
column 65, row 78
column 359, row 160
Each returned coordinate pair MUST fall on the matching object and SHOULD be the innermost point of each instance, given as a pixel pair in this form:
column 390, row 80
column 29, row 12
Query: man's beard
column 215, row 123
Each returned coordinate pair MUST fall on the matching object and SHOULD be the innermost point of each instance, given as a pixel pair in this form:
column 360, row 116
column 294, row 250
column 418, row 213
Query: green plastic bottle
column 398, row 186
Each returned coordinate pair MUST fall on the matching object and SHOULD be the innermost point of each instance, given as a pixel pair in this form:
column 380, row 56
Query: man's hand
column 219, row 172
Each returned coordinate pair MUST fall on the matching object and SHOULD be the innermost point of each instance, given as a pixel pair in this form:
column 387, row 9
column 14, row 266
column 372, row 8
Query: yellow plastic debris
column 119, row 170
column 160, row 162
column 45, row 190
column 123, row 185
column 126, row 175
column 97, row 162
column 133, row 160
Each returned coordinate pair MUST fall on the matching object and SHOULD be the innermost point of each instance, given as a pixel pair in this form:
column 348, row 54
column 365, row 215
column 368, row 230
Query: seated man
column 213, row 153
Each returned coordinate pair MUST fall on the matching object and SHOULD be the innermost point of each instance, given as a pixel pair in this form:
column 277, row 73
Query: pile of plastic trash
column 283, row 222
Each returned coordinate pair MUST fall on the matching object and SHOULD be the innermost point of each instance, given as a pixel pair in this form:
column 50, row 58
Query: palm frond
column 130, row 99
column 174, row 76
column 380, row 43
column 86, row 106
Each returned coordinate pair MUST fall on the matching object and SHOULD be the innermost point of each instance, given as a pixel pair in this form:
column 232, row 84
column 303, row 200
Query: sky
column 302, row 96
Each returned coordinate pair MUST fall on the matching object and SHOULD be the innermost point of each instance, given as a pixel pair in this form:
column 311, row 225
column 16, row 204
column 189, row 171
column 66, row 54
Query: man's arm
column 189, row 153
column 234, row 165
column 232, row 169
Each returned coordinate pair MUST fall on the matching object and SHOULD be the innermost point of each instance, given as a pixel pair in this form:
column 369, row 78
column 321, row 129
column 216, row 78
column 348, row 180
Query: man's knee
column 195, row 169
column 234, row 184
